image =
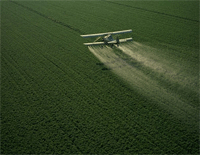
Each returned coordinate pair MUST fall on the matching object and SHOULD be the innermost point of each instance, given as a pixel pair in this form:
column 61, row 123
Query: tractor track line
column 49, row 18
column 156, row 12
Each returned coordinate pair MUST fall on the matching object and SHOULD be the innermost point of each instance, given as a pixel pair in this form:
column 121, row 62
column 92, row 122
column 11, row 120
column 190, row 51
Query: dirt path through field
column 130, row 61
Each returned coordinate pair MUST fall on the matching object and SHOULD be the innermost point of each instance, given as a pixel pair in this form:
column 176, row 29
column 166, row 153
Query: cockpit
column 108, row 38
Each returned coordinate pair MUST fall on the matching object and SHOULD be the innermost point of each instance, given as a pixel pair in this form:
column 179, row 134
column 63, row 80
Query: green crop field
column 61, row 97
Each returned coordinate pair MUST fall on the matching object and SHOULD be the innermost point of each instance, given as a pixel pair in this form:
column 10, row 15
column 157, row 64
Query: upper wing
column 94, row 35
column 103, row 34
column 94, row 43
column 121, row 32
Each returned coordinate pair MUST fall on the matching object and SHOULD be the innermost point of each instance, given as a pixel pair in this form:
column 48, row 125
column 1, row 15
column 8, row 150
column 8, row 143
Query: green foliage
column 57, row 98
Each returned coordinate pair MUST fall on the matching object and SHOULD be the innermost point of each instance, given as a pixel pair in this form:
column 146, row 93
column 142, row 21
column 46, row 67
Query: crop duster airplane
column 107, row 38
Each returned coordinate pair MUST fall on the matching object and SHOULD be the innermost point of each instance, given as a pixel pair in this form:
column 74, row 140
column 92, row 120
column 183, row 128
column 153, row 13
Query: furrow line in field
column 20, row 32
column 23, row 74
column 6, row 64
column 63, row 39
column 23, row 71
column 57, row 68
column 50, row 40
column 27, row 82
column 10, row 109
column 17, row 70
column 77, row 94
column 49, row 18
column 141, row 126
column 28, row 44
column 80, row 129
column 27, row 79
column 156, row 12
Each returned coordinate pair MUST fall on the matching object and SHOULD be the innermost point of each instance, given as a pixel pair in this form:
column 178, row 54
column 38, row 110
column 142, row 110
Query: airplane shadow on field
column 119, row 61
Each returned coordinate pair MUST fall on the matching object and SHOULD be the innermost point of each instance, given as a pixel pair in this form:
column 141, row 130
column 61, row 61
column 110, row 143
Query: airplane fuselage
column 108, row 38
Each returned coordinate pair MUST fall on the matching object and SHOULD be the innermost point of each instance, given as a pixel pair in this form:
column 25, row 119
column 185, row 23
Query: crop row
column 62, row 100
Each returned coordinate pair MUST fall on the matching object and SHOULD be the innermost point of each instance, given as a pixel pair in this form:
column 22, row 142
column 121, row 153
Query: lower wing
column 120, row 41
column 125, row 40
column 110, row 42
column 94, row 43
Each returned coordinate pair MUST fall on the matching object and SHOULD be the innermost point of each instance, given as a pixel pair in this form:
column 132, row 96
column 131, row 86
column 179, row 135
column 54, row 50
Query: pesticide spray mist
column 143, row 71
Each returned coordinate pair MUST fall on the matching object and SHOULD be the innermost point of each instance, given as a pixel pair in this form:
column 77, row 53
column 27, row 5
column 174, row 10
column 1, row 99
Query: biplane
column 107, row 38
